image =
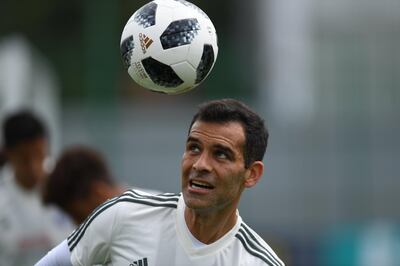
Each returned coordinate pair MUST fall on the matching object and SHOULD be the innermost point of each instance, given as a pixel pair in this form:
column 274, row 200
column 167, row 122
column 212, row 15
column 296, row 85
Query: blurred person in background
column 223, row 156
column 80, row 182
column 27, row 228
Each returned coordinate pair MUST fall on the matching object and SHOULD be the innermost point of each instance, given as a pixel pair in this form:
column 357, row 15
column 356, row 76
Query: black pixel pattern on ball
column 206, row 62
column 161, row 74
column 146, row 16
column 188, row 4
column 179, row 32
column 126, row 51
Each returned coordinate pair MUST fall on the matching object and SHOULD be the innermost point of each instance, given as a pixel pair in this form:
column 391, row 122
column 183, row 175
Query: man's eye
column 193, row 148
column 221, row 155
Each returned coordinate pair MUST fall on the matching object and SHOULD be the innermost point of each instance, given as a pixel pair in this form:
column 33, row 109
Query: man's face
column 27, row 159
column 213, row 169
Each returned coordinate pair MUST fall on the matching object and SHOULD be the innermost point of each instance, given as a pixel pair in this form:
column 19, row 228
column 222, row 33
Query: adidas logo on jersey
column 141, row 262
column 145, row 42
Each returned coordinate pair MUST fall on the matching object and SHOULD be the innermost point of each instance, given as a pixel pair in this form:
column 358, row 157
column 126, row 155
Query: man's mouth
column 200, row 185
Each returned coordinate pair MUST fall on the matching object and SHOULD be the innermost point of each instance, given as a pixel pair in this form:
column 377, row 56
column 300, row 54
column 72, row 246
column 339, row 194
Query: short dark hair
column 22, row 126
column 76, row 169
column 231, row 110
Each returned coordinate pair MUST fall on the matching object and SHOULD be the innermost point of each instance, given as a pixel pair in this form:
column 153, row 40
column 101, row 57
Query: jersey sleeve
column 89, row 244
column 58, row 256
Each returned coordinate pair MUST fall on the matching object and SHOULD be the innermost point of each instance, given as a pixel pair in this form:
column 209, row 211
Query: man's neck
column 24, row 183
column 209, row 227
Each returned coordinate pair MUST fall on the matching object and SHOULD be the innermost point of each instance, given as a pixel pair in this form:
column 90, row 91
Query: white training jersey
column 27, row 228
column 139, row 229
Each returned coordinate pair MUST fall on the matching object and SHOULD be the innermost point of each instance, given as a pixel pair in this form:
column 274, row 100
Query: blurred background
column 324, row 74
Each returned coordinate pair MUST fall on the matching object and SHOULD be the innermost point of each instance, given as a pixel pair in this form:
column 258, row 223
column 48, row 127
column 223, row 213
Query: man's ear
column 254, row 173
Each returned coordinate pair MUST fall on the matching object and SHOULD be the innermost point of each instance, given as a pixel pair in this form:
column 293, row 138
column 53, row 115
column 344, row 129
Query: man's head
column 230, row 110
column 226, row 143
column 79, row 182
column 25, row 147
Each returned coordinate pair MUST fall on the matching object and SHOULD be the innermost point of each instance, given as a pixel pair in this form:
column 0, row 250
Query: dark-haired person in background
column 80, row 182
column 27, row 228
column 201, row 226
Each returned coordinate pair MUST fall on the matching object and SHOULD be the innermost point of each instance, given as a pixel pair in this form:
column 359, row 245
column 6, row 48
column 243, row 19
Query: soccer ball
column 169, row 46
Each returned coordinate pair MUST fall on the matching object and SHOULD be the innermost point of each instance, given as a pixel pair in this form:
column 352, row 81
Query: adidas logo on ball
column 145, row 42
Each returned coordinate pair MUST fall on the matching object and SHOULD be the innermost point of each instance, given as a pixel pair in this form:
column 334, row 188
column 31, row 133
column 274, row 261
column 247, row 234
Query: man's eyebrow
column 190, row 138
column 225, row 149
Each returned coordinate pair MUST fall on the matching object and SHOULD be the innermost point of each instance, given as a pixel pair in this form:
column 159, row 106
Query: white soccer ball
column 169, row 46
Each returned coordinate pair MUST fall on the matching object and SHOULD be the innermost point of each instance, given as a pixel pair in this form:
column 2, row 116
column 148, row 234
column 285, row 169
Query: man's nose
column 202, row 163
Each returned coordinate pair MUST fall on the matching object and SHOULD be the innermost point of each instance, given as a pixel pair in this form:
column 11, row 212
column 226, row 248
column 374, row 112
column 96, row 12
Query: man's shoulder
column 167, row 200
column 131, row 209
column 132, row 203
column 255, row 247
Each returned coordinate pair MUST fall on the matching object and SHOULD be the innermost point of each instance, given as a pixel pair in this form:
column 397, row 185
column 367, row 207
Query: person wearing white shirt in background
column 80, row 182
column 27, row 228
